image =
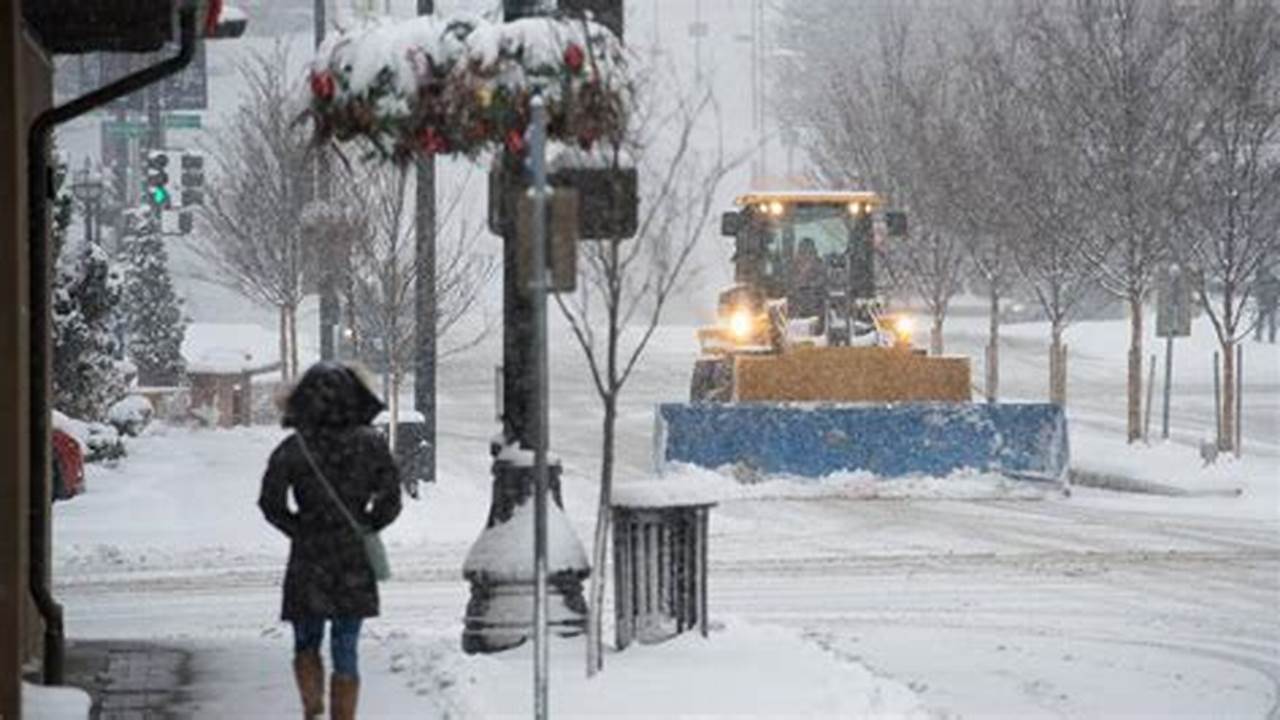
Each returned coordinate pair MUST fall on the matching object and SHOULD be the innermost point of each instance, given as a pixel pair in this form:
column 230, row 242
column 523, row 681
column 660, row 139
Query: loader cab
column 801, row 244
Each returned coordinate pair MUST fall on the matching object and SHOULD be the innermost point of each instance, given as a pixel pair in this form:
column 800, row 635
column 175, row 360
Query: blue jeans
column 343, row 635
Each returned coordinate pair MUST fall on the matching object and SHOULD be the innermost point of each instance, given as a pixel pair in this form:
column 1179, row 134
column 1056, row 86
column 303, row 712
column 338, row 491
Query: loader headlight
column 903, row 327
column 740, row 324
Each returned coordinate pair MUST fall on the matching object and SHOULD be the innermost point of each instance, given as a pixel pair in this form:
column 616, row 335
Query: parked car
column 68, row 466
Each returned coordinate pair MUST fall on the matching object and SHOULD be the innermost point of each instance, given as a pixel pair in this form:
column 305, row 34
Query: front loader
column 806, row 372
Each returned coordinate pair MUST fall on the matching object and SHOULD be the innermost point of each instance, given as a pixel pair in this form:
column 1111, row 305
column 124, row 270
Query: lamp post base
column 499, row 567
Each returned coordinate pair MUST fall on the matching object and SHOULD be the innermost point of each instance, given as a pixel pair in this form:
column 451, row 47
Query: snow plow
column 806, row 372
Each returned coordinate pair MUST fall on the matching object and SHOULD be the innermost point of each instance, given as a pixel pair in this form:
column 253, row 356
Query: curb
column 1120, row 483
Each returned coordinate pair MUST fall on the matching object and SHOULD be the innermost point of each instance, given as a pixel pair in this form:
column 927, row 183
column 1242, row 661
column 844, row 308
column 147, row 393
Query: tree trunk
column 1227, row 440
column 284, row 345
column 1135, row 370
column 935, row 335
column 1057, row 367
column 393, row 407
column 600, row 546
column 293, row 340
column 993, row 347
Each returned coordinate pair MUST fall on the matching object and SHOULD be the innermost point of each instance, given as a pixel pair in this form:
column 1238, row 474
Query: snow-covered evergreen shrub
column 152, row 310
column 104, row 443
column 131, row 415
column 86, row 294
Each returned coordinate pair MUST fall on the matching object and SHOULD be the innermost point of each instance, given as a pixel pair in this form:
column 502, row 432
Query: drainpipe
column 39, row 187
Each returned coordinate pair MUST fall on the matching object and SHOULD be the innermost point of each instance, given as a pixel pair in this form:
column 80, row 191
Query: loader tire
column 712, row 380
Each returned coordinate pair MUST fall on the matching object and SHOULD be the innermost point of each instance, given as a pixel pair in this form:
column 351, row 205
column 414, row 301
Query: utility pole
column 500, row 601
column 424, row 379
column 330, row 311
column 538, row 152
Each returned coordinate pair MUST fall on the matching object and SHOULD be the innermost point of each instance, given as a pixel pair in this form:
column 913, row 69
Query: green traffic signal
column 159, row 195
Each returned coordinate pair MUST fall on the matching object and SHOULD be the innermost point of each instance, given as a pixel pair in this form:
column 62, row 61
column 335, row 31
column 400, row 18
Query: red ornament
column 432, row 142
column 515, row 142
column 322, row 85
column 212, row 17
column 574, row 57
column 478, row 132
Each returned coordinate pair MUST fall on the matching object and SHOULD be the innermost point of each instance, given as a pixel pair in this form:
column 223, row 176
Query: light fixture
column 87, row 186
column 740, row 323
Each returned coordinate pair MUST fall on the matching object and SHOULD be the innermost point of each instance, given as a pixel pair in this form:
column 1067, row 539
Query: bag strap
column 329, row 488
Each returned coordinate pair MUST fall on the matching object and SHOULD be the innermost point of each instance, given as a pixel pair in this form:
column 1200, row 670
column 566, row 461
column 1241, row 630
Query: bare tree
column 626, row 283
column 979, row 202
column 1115, row 89
column 1231, row 220
column 1033, row 194
column 375, row 206
column 251, row 236
column 927, row 168
column 887, row 123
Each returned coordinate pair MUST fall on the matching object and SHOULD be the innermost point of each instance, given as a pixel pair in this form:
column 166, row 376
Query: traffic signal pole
column 155, row 143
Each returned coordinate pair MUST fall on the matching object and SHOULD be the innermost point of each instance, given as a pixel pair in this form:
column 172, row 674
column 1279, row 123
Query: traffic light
column 158, row 193
column 192, row 179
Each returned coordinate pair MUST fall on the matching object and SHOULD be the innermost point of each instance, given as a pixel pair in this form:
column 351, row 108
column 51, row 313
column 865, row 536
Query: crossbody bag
column 373, row 547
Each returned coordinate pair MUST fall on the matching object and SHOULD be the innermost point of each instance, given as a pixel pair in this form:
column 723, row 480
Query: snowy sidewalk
column 115, row 680
column 740, row 671
column 1166, row 468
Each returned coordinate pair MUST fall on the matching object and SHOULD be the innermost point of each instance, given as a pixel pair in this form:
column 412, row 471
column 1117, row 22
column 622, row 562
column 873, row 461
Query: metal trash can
column 660, row 571
column 412, row 451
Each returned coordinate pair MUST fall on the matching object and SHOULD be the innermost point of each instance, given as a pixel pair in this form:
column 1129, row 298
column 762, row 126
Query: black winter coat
column 328, row 575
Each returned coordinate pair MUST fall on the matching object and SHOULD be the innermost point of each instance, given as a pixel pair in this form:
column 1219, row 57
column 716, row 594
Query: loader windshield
column 803, row 230
column 828, row 226
column 787, row 242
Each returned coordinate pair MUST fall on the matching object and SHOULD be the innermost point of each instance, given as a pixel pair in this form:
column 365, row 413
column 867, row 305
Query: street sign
column 138, row 128
column 1174, row 301
column 182, row 121
column 562, row 240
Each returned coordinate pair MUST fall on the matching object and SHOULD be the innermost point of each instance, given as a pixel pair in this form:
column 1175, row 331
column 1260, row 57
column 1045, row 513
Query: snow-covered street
column 1094, row 604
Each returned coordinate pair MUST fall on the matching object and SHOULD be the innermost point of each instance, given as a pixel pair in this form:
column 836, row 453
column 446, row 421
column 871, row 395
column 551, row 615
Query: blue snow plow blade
column 1022, row 440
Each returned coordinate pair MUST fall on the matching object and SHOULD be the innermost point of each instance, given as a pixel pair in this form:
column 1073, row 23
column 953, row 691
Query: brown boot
column 308, row 670
column 344, row 690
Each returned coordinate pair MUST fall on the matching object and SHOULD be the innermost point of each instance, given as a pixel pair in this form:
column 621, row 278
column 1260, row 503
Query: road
column 988, row 609
column 1093, row 605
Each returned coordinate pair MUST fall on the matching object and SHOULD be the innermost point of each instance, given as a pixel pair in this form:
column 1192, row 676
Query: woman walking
column 329, row 577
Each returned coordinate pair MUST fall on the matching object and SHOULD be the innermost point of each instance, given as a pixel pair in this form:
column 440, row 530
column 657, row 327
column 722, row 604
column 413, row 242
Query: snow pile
column 684, row 484
column 98, row 441
column 1165, row 467
column 740, row 670
column 77, row 429
column 130, row 415
column 45, row 702
column 229, row 347
column 404, row 415
column 505, row 551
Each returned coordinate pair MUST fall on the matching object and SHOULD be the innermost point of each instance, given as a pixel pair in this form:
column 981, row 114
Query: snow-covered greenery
column 153, row 312
column 438, row 85
column 86, row 295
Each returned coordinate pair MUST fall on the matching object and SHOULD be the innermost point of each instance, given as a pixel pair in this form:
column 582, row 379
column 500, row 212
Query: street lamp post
column 500, row 611
column 87, row 188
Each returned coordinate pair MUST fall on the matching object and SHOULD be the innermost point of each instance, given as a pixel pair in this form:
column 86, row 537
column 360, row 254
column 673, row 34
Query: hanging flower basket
column 437, row 86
